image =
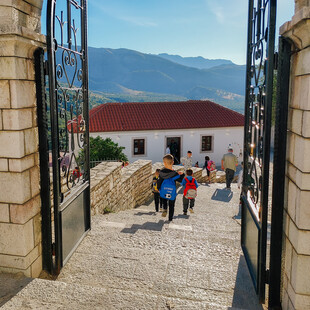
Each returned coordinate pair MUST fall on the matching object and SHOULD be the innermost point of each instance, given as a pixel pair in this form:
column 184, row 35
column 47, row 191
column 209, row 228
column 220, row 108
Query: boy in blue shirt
column 190, row 191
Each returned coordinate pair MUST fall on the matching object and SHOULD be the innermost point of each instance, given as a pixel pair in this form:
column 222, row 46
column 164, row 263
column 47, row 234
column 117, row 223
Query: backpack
column 190, row 191
column 168, row 189
column 154, row 186
column 211, row 165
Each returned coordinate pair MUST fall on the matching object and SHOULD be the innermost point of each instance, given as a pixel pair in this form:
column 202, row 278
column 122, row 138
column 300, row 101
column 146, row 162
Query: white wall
column 190, row 140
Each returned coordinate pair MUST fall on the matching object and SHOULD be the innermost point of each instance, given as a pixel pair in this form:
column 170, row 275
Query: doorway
column 174, row 144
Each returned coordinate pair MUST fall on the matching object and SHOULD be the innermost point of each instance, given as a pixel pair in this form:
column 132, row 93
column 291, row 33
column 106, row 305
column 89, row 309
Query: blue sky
column 208, row 28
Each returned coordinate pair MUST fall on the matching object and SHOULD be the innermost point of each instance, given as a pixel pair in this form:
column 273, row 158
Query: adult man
column 187, row 161
column 229, row 163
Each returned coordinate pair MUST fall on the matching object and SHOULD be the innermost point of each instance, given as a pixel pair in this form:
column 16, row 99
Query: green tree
column 101, row 149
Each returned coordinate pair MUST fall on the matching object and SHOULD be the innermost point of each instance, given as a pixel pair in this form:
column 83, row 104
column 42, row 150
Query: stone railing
column 114, row 188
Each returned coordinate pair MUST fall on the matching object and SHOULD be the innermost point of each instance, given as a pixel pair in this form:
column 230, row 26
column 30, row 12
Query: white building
column 146, row 129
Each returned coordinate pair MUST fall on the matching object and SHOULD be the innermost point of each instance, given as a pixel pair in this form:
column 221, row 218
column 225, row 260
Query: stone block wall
column 114, row 188
column 20, row 223
column 296, row 253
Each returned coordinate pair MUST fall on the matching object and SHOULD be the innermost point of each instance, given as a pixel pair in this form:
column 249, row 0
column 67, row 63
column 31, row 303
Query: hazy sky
column 208, row 28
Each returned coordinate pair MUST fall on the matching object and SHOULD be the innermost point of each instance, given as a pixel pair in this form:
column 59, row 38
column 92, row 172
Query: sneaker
column 164, row 213
column 191, row 210
column 184, row 213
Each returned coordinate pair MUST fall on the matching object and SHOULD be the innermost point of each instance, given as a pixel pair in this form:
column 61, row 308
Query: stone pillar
column 296, row 271
column 20, row 223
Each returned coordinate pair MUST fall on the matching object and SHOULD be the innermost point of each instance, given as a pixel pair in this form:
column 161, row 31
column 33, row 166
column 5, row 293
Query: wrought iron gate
column 261, row 64
column 63, row 132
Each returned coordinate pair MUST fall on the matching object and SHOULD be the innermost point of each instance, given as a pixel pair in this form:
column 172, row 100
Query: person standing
column 229, row 164
column 157, row 199
column 190, row 191
column 168, row 150
column 187, row 161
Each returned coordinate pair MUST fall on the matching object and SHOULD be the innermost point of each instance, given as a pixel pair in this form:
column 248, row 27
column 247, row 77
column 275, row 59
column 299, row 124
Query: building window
column 206, row 143
column 139, row 147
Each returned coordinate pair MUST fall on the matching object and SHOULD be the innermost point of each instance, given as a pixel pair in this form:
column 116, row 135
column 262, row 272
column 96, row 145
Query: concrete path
column 137, row 260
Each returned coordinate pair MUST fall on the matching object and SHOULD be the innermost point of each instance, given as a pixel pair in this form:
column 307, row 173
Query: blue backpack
column 168, row 189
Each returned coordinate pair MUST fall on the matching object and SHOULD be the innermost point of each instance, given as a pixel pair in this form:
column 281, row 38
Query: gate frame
column 260, row 277
column 53, row 259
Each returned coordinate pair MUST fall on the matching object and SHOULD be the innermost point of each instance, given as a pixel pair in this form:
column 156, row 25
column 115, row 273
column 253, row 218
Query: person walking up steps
column 157, row 199
column 166, row 185
column 190, row 191
column 187, row 161
column 229, row 163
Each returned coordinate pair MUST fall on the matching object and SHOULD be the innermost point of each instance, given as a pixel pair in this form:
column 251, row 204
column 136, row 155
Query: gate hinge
column 45, row 67
column 276, row 60
column 267, row 276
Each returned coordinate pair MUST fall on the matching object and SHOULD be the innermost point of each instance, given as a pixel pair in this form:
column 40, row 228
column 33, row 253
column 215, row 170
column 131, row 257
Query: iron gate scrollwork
column 257, row 132
column 69, row 136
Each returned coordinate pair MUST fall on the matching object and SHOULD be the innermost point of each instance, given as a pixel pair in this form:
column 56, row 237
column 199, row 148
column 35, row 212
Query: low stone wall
column 114, row 188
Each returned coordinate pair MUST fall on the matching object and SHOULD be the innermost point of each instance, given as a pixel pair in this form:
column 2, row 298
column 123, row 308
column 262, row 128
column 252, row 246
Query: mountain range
column 127, row 75
column 196, row 62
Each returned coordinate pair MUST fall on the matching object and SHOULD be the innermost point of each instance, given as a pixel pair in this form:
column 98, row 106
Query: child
column 190, row 191
column 165, row 174
column 210, row 166
column 155, row 191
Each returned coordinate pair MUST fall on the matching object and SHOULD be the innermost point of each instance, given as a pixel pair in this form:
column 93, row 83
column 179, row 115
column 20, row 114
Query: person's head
column 230, row 150
column 189, row 172
column 157, row 172
column 189, row 153
column 168, row 161
column 207, row 158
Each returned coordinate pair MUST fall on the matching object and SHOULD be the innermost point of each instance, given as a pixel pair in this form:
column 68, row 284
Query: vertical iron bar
column 44, row 162
column 86, row 111
column 279, row 165
column 51, row 42
column 69, row 24
column 266, row 146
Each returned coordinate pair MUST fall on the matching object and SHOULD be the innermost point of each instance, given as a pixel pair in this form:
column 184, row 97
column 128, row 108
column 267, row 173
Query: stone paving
column 135, row 259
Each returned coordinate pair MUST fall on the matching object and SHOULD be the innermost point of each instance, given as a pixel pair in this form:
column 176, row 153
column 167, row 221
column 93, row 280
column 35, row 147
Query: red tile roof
column 135, row 116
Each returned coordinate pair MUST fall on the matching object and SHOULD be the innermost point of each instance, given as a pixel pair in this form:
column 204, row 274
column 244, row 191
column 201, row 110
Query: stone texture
column 23, row 94
column 31, row 140
column 4, row 212
column 19, row 262
column 17, row 119
column 300, row 274
column 4, row 164
column 21, row 164
column 9, row 149
column 22, row 213
column 133, row 259
column 301, row 151
column 306, row 125
column 15, row 68
column 12, row 182
column 300, row 239
column 19, row 235
column 4, row 95
column 296, row 122
column 300, row 92
column 303, row 210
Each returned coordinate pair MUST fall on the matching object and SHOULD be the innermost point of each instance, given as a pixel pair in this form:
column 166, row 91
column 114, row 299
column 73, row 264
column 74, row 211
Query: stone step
column 52, row 295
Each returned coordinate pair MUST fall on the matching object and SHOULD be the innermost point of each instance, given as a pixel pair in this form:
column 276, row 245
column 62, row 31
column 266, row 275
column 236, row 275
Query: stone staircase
column 134, row 259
